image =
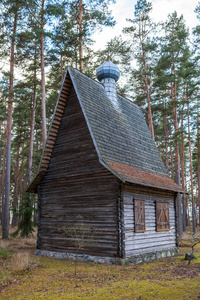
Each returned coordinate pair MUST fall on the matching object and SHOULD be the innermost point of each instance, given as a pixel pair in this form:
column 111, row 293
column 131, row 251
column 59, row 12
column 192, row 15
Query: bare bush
column 80, row 234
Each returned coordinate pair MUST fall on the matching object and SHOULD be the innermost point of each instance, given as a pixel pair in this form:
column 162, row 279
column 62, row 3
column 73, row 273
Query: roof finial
column 108, row 58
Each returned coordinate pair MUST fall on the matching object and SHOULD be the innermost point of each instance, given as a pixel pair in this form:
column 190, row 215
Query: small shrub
column 26, row 224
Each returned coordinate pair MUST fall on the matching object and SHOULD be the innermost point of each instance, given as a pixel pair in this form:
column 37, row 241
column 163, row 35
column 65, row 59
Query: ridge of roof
column 101, row 86
column 85, row 114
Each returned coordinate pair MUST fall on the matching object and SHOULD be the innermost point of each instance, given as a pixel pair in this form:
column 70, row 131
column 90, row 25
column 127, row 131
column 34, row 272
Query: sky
column 124, row 9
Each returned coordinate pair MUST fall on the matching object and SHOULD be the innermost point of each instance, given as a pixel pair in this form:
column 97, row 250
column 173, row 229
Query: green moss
column 168, row 278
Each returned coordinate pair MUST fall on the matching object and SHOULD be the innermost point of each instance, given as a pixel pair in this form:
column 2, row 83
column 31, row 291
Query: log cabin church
column 100, row 165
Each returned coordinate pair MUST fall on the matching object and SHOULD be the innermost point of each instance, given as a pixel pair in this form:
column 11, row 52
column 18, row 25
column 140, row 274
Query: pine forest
column 159, row 66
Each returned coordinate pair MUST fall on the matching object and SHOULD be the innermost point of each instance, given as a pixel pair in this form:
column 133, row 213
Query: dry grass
column 18, row 243
column 188, row 239
column 16, row 255
column 187, row 235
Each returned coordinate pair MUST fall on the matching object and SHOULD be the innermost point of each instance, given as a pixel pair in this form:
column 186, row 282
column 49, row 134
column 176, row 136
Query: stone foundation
column 108, row 260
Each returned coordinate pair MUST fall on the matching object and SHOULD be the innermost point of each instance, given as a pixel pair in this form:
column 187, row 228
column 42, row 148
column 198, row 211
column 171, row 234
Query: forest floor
column 24, row 276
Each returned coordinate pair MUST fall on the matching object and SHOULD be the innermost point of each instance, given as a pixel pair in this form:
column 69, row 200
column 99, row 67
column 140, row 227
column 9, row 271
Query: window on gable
column 162, row 216
column 139, row 215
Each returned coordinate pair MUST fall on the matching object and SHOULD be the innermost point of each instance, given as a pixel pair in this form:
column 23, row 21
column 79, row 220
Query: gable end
column 51, row 138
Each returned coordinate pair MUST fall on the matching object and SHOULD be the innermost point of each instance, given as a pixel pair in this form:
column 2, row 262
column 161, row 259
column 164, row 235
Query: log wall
column 150, row 240
column 77, row 188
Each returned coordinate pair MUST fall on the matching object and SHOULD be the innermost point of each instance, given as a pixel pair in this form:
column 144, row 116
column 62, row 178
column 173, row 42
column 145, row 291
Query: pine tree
column 71, row 35
column 173, row 46
column 140, row 32
column 162, row 106
column 11, row 8
column 43, row 106
column 188, row 74
column 3, row 98
column 196, row 33
column 91, row 15
column 37, row 11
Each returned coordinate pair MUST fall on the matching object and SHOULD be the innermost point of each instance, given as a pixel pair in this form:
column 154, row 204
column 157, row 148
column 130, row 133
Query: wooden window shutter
column 139, row 215
column 162, row 216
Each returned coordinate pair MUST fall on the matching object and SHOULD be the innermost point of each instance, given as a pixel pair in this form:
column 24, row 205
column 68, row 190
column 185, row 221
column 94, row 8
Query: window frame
column 163, row 206
column 141, row 215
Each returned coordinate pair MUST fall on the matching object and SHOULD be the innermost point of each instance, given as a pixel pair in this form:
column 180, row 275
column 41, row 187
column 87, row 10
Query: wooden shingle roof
column 121, row 137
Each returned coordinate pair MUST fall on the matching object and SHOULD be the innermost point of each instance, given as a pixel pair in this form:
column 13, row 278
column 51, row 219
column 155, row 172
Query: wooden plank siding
column 76, row 187
column 150, row 240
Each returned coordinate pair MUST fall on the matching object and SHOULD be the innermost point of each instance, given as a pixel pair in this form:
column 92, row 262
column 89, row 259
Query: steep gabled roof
column 121, row 137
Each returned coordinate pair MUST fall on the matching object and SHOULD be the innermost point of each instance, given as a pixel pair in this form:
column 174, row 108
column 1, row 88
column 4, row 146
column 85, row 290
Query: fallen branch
column 192, row 240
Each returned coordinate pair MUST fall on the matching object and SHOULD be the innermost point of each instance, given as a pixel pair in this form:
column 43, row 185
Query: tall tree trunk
column 80, row 16
column 171, row 157
column 0, row 179
column 37, row 142
column 61, row 68
column 196, row 209
column 5, row 231
column 30, row 161
column 183, row 171
column 2, row 168
column 0, row 151
column 44, row 132
column 198, row 157
column 177, row 157
column 150, row 120
column 188, row 214
column 191, row 170
column 166, row 132
column 21, row 174
column 3, row 175
column 15, row 201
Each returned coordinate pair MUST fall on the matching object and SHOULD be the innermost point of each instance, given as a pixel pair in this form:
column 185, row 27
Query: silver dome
column 108, row 70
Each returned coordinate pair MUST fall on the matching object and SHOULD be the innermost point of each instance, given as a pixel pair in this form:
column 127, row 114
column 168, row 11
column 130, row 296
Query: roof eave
column 158, row 187
column 125, row 180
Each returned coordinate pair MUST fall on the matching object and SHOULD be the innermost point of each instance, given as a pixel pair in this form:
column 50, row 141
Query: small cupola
column 108, row 74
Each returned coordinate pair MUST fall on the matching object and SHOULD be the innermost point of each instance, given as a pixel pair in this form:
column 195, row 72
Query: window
column 162, row 216
column 139, row 215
